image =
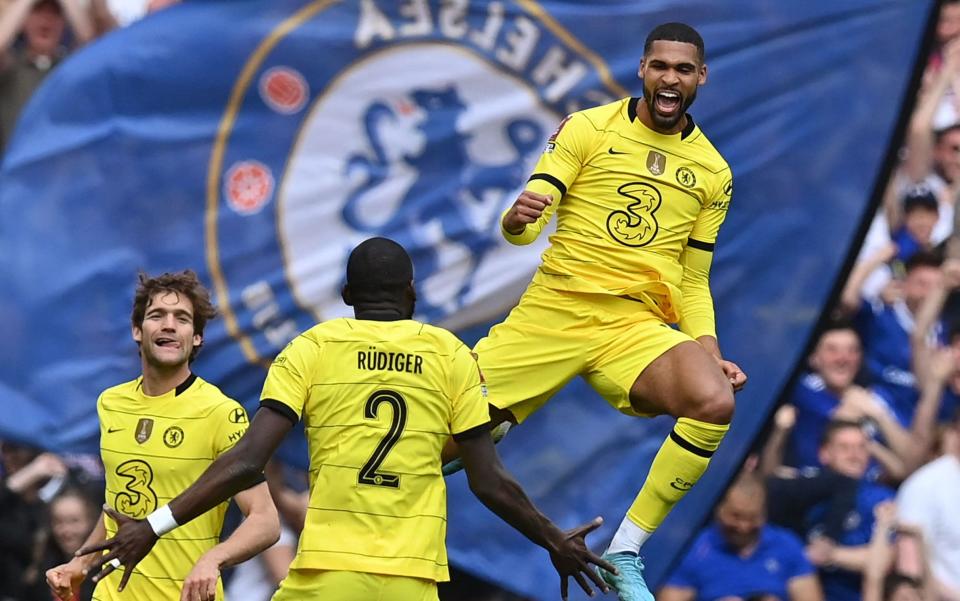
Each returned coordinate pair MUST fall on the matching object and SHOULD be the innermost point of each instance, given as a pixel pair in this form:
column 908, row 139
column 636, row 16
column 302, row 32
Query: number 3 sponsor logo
column 138, row 499
column 637, row 225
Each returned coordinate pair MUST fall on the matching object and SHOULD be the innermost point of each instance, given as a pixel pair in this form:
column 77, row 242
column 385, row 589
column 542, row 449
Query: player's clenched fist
column 527, row 209
column 64, row 580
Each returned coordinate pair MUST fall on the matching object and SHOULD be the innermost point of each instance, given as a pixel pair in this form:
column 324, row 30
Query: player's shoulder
column 325, row 330
column 120, row 391
column 208, row 396
column 603, row 116
column 332, row 329
column 445, row 340
column 706, row 153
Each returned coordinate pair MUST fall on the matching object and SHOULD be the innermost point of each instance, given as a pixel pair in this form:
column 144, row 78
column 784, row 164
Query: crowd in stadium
column 862, row 463
column 853, row 492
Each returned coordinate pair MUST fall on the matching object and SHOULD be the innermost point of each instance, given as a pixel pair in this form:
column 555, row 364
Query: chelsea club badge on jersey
column 419, row 121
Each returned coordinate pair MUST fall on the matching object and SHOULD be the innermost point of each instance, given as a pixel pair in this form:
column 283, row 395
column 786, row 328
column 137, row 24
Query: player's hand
column 201, row 584
column 528, row 207
column 733, row 372
column 131, row 543
column 65, row 579
column 571, row 557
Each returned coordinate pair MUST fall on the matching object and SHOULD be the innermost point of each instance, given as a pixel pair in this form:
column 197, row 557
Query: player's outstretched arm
column 496, row 488
column 236, row 470
column 259, row 530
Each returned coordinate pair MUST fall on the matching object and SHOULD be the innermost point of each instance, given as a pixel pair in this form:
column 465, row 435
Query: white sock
column 629, row 537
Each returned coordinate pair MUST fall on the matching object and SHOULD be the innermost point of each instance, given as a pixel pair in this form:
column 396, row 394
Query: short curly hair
column 184, row 282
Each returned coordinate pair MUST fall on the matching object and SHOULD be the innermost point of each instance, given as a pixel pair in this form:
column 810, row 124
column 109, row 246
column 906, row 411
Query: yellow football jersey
column 153, row 448
column 378, row 400
column 637, row 212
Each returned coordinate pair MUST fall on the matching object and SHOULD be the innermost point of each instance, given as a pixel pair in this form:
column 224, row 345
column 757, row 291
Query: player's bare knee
column 713, row 405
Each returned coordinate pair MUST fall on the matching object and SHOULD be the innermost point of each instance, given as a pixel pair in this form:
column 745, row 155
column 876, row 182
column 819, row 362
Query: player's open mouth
column 667, row 102
column 167, row 343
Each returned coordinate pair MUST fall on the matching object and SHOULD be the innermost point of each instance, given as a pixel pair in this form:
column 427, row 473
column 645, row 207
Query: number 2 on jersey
column 368, row 473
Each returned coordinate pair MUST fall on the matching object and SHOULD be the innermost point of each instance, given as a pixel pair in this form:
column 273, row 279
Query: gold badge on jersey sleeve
column 144, row 429
column 656, row 162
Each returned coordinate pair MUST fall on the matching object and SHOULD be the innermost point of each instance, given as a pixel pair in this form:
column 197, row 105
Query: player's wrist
column 553, row 539
column 78, row 564
column 162, row 521
column 514, row 229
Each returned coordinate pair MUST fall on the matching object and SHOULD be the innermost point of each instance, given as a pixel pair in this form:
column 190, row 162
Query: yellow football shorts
column 553, row 335
column 321, row 585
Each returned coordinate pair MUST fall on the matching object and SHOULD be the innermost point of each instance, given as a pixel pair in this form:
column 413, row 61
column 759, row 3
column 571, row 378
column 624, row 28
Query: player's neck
column 643, row 114
column 383, row 311
column 381, row 314
column 158, row 381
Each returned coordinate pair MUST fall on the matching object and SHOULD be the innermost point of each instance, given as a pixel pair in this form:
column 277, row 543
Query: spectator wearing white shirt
column 930, row 501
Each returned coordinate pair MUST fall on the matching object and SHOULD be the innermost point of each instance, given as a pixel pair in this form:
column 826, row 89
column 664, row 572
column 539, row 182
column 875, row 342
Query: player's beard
column 166, row 364
column 666, row 123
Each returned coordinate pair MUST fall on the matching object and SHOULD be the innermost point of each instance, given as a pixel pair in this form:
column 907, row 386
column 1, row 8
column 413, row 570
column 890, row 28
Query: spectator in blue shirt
column 886, row 324
column 841, row 562
column 921, row 210
column 829, row 392
column 834, row 365
column 740, row 557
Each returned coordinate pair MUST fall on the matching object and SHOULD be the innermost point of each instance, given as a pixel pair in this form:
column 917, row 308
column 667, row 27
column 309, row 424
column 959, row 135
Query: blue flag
column 256, row 142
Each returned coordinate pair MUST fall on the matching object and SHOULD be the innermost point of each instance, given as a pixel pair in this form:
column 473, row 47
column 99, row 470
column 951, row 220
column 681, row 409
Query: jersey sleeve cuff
column 281, row 408
column 527, row 236
column 473, row 432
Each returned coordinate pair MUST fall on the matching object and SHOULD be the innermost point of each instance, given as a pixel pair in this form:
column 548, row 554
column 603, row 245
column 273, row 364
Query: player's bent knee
column 714, row 406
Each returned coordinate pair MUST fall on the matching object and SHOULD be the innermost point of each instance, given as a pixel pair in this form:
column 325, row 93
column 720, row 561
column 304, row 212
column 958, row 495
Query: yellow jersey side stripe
column 335, row 552
column 384, row 515
column 168, row 417
column 376, row 427
column 141, row 454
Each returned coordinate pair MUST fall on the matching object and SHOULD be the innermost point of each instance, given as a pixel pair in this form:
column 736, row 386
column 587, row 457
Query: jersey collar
column 180, row 389
column 185, row 384
column 632, row 114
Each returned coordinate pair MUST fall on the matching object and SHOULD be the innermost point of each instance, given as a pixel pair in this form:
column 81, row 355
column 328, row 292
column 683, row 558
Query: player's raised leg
column 688, row 383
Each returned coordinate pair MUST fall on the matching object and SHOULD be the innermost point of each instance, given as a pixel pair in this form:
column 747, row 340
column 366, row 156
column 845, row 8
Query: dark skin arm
column 234, row 471
column 238, row 468
column 494, row 486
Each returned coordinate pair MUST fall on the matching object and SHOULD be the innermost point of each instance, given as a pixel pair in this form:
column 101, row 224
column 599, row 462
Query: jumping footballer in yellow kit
column 639, row 193
column 158, row 433
column 379, row 395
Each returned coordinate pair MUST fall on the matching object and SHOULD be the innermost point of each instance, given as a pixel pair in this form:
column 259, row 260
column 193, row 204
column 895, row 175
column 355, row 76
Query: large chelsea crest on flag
column 418, row 121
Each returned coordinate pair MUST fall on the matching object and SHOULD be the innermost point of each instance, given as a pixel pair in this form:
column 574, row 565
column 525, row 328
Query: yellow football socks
column 681, row 461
